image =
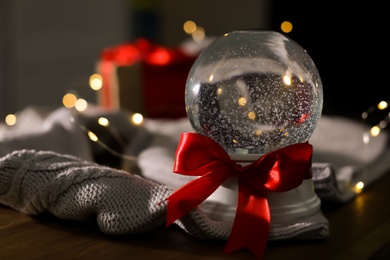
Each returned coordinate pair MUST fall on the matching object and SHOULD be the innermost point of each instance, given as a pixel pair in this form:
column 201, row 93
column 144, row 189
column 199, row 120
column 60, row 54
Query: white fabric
column 44, row 129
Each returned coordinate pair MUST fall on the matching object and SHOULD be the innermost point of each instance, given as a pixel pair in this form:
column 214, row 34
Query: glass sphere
column 254, row 92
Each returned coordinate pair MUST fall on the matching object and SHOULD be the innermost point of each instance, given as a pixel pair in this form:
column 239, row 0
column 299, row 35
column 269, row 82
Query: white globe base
column 284, row 206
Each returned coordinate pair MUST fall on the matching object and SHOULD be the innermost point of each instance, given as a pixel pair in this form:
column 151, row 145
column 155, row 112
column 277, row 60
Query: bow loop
column 283, row 169
column 203, row 155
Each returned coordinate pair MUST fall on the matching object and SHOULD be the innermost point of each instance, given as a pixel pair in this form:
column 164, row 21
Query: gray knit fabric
column 36, row 182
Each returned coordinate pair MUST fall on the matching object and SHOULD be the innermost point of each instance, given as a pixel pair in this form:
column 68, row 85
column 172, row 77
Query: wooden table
column 359, row 229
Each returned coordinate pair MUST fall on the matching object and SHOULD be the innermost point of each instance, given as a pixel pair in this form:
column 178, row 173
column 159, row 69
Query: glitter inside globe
column 254, row 92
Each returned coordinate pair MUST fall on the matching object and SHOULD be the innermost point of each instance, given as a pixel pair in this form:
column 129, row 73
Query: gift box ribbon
column 277, row 171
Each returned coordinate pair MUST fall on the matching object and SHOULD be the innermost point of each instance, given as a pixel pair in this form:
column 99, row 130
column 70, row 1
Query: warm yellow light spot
column 137, row 118
column 10, row 119
column 286, row 26
column 211, row 77
column 258, row 132
column 287, row 80
column 359, row 187
column 382, row 105
column 189, row 26
column 219, row 91
column 96, row 81
column 92, row 136
column 242, row 101
column 69, row 100
column 251, row 115
column 375, row 131
column 234, row 141
column 199, row 34
column 81, row 104
column 103, row 121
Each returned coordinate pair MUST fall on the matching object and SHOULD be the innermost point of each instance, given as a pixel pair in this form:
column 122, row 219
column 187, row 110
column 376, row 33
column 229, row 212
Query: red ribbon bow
column 278, row 171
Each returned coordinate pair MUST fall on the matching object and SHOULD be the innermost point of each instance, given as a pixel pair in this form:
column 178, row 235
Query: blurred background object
column 50, row 47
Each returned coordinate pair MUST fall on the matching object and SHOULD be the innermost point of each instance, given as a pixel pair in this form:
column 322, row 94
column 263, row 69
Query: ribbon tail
column 251, row 225
column 189, row 196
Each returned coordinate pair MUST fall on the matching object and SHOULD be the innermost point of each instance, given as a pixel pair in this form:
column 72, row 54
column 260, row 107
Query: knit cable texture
column 34, row 182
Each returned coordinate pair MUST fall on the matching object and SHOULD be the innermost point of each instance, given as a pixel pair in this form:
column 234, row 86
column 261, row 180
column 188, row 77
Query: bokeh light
column 189, row 27
column 382, row 105
column 375, row 130
column 10, row 119
column 286, row 26
column 92, row 136
column 359, row 187
column 96, row 82
column 137, row 118
column 81, row 104
column 103, row 121
column 69, row 100
column 199, row 34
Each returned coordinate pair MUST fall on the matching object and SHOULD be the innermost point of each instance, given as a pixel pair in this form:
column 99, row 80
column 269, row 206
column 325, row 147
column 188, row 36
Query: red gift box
column 144, row 78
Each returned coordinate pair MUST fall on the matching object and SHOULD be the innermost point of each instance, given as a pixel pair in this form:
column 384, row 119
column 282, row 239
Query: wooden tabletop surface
column 359, row 229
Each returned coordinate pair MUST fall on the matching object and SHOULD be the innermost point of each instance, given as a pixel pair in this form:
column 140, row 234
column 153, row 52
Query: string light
column 94, row 138
column 10, row 119
column 69, row 100
column 102, row 121
column 374, row 131
column 286, row 26
column 81, row 104
column 359, row 187
column 197, row 33
column 96, row 82
column 72, row 101
column 189, row 27
column 137, row 119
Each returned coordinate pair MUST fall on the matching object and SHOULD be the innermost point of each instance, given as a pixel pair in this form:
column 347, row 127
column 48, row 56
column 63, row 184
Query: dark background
column 348, row 43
